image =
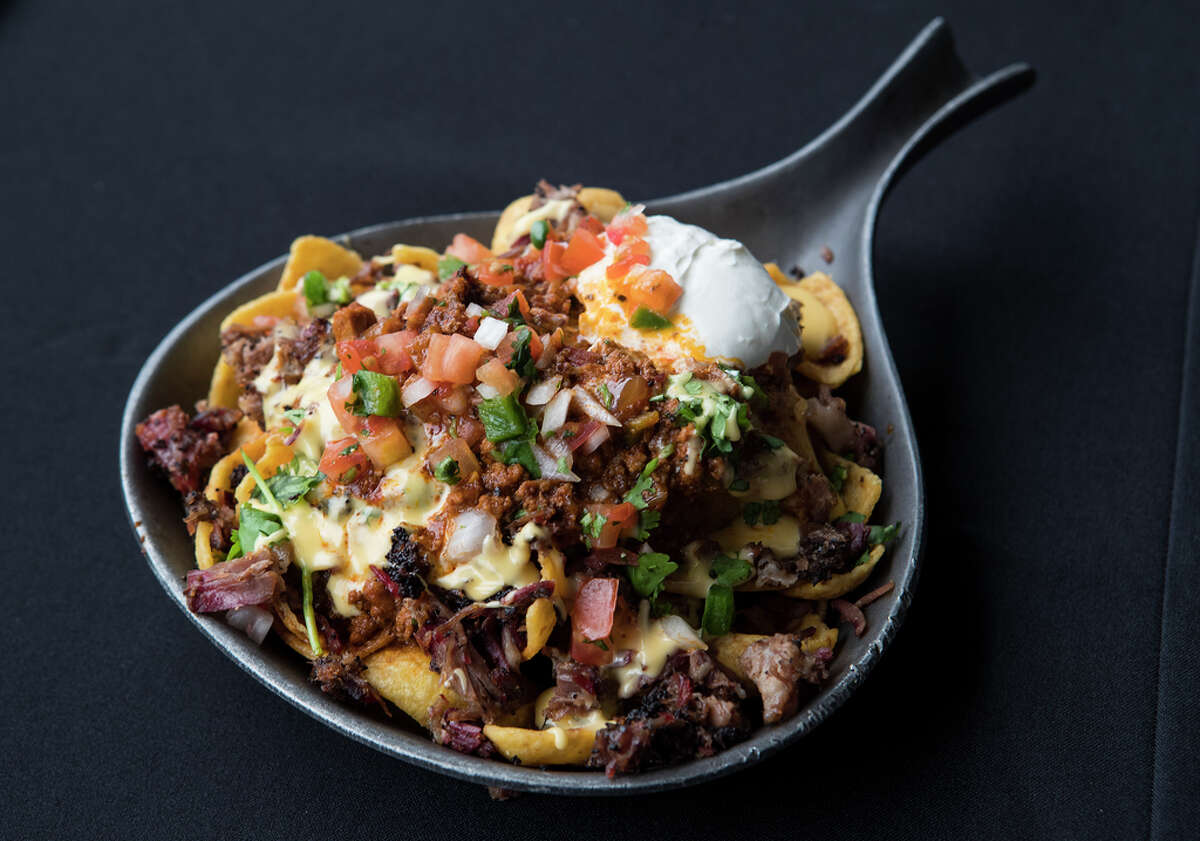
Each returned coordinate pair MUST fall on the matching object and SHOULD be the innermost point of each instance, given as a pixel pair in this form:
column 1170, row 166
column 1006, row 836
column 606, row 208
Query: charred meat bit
column 406, row 564
column 295, row 354
column 777, row 665
column 185, row 448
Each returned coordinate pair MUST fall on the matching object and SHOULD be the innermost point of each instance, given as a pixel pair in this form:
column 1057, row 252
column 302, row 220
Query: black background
column 1033, row 273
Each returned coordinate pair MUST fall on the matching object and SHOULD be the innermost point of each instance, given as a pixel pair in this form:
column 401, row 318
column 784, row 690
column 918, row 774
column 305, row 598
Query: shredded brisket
column 186, row 448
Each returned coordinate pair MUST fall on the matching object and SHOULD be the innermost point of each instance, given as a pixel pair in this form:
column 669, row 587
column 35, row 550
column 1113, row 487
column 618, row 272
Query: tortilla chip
column 837, row 585
column 728, row 648
column 555, row 746
column 540, row 619
column 861, row 488
column 219, row 478
column 416, row 255
column 313, row 253
column 402, row 675
column 820, row 286
column 602, row 203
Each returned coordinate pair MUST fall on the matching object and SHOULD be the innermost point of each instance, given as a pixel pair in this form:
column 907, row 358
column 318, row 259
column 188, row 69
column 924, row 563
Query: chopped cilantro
column 348, row 449
column 658, row 398
column 537, row 233
column 519, row 452
column 606, row 396
column 731, row 571
column 636, row 494
column 692, row 385
column 252, row 522
column 647, row 319
column 649, row 573
column 377, row 394
column 503, row 419
column 863, row 558
column 447, row 471
column 590, row 524
column 647, row 522
column 851, row 517
column 522, row 356
column 837, row 477
column 883, row 534
column 448, row 266
column 290, row 483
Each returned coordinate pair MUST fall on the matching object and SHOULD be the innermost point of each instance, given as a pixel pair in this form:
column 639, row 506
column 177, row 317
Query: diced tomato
column 583, row 250
column 591, row 224
column 355, row 353
column 494, row 373
column 341, row 393
column 453, row 399
column 451, row 359
column 595, row 603
column 392, row 350
column 552, row 267
column 384, row 441
column 633, row 251
column 344, row 460
column 591, row 652
column 503, row 307
column 468, row 250
column 653, row 289
column 504, row 351
column 495, row 273
column 625, row 224
column 618, row 520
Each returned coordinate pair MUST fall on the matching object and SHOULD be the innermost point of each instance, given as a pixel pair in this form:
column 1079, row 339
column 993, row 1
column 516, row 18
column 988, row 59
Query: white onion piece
column 541, row 392
column 559, row 448
column 556, row 412
column 548, row 464
column 491, row 332
column 591, row 407
column 471, row 528
column 486, row 391
column 676, row 629
column 415, row 391
column 595, row 439
column 475, row 310
column 252, row 620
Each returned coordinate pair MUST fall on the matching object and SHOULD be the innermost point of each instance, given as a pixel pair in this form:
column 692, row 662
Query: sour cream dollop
column 731, row 310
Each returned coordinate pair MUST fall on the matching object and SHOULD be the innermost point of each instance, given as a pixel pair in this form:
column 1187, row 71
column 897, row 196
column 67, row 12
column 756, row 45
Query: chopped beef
column 186, row 448
column 776, row 665
column 692, row 710
column 247, row 350
column 406, row 564
column 222, row 514
column 828, row 550
column 341, row 675
column 552, row 504
column 827, row 415
column 351, row 320
column 459, row 729
column 574, row 689
column 250, row 402
column 770, row 573
column 251, row 579
column 295, row 354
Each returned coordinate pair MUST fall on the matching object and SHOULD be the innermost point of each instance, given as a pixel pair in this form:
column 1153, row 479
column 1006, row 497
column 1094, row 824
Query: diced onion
column 591, row 407
column 491, row 332
column 541, row 392
column 471, row 528
column 416, row 390
column 252, row 620
column 549, row 466
column 486, row 391
column 475, row 310
column 556, row 412
column 594, row 439
column 676, row 628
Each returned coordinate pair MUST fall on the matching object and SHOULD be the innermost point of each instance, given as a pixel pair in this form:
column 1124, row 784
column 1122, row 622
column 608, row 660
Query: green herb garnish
column 606, row 396
column 522, row 357
column 837, row 477
column 590, row 524
column 538, row 232
column 718, row 610
column 851, row 517
column 883, row 534
column 647, row 319
column 519, row 452
column 448, row 266
column 636, row 494
column 290, row 483
column 503, row 418
column 447, row 471
column 377, row 394
column 648, row 575
column 316, row 289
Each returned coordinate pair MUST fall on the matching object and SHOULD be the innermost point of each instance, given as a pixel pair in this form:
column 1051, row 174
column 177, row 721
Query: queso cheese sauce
column 581, row 467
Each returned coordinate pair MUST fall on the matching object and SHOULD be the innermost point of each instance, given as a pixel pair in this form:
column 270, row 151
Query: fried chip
column 829, row 314
column 554, row 746
column 313, row 253
column 728, row 648
column 838, row 585
column 539, row 623
column 602, row 203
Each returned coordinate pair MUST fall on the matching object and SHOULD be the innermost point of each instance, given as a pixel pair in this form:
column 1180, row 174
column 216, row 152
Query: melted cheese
column 651, row 643
column 555, row 211
column 772, row 475
column 496, row 566
column 782, row 537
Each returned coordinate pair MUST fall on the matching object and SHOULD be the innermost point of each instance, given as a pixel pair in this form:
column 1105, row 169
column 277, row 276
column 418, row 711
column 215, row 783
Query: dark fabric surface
column 1033, row 273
